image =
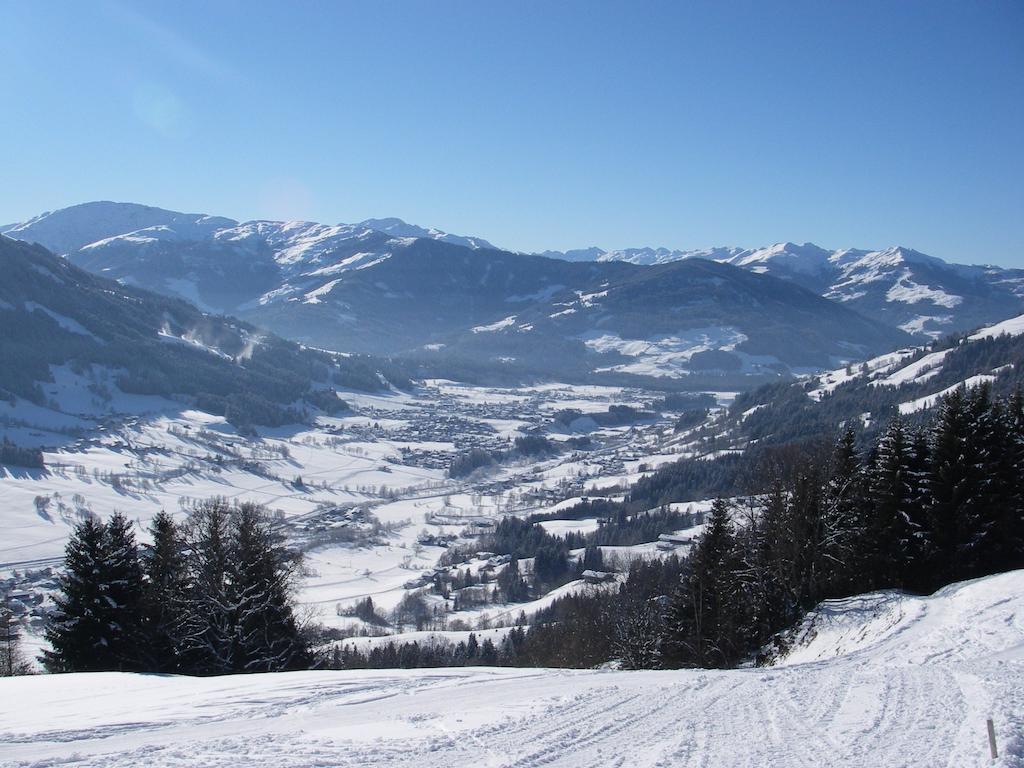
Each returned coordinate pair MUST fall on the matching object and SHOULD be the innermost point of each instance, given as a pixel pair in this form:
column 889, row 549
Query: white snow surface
column 1012, row 327
column 907, row 291
column 879, row 680
column 495, row 326
column 669, row 355
column 930, row 401
column 919, row 370
column 563, row 527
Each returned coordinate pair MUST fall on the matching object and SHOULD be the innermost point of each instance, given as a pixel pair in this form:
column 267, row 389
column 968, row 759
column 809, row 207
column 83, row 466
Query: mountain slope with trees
column 55, row 315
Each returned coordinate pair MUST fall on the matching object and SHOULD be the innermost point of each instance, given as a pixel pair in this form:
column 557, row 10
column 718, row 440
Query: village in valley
column 366, row 495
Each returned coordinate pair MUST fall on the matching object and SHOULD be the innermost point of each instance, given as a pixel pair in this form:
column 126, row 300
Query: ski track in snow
column 888, row 681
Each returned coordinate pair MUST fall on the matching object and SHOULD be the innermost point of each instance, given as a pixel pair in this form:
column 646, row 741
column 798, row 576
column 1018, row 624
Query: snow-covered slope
column 971, row 620
column 644, row 256
column 915, row 370
column 69, row 229
column 214, row 261
column 219, row 264
column 398, row 228
column 917, row 293
column 893, row 681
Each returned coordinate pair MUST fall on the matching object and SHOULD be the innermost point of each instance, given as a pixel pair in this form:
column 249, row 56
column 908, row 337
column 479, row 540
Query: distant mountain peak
column 396, row 227
column 69, row 229
column 75, row 227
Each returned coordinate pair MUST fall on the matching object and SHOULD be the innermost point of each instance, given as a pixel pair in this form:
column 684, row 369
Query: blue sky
column 534, row 124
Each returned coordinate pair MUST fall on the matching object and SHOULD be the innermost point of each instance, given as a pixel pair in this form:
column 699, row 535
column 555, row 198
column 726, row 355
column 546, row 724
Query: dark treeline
column 20, row 457
column 692, row 479
column 525, row 446
column 688, row 401
column 470, row 652
column 925, row 507
column 615, row 416
column 524, row 538
column 209, row 597
column 12, row 660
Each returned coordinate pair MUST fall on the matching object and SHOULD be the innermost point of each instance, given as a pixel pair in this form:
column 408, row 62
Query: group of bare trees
column 12, row 659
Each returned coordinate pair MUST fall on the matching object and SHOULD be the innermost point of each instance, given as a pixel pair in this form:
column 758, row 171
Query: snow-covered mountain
column 643, row 256
column 398, row 228
column 917, row 293
column 217, row 263
column 69, row 229
column 114, row 237
column 381, row 286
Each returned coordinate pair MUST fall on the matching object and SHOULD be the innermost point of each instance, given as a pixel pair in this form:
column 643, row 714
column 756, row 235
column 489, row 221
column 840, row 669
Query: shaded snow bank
column 983, row 618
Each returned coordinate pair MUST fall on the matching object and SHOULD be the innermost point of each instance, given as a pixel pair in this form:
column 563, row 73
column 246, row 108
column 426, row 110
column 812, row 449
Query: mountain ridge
column 358, row 289
column 362, row 287
column 918, row 293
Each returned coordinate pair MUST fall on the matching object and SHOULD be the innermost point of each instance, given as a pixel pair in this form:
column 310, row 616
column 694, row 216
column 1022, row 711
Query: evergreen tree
column 79, row 629
column 951, row 486
column 809, row 537
column 985, row 445
column 124, row 593
column 163, row 564
column 704, row 618
column 593, row 560
column 11, row 660
column 207, row 639
column 845, row 519
column 266, row 636
column 774, row 600
column 1005, row 549
column 894, row 536
column 488, row 653
column 511, row 585
column 637, row 635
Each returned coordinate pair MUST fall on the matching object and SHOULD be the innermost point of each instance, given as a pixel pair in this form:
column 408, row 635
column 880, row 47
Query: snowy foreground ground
column 878, row 680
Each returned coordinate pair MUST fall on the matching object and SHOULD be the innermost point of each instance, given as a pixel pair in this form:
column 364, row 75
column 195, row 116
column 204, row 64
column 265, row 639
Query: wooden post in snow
column 992, row 739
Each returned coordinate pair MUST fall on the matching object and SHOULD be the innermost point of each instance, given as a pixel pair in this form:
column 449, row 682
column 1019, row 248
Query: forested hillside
column 871, row 393
column 55, row 314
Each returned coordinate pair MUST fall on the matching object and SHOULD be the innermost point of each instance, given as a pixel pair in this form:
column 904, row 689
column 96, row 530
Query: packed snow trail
column 887, row 680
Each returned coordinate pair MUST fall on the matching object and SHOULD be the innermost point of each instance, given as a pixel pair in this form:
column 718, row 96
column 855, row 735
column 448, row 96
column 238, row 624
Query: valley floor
column 886, row 680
